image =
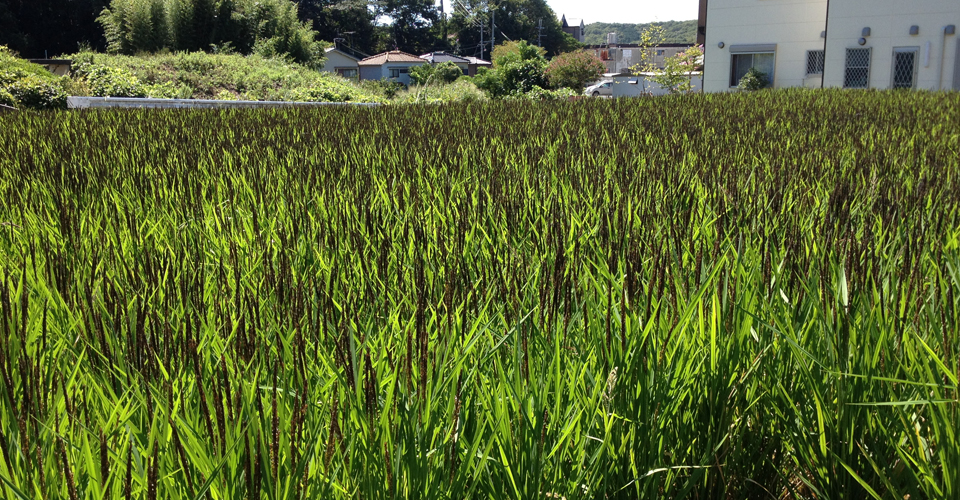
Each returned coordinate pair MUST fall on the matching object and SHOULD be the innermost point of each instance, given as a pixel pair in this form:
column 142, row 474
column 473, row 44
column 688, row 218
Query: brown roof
column 392, row 56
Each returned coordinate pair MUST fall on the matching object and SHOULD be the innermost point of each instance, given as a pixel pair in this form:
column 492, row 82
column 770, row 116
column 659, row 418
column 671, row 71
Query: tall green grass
column 722, row 296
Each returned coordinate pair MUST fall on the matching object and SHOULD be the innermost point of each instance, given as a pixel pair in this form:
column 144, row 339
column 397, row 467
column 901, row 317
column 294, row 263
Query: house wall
column 371, row 72
column 378, row 72
column 793, row 25
column 404, row 77
column 336, row 60
column 889, row 22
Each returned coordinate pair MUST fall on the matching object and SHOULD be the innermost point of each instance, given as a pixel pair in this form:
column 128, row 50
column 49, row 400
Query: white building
column 837, row 43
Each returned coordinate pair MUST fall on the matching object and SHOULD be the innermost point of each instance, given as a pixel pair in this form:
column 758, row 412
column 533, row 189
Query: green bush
column 445, row 72
column 541, row 94
column 573, row 70
column 384, row 88
column 37, row 93
column 6, row 98
column 106, row 81
column 200, row 75
column 167, row 90
column 27, row 85
column 753, row 80
column 518, row 68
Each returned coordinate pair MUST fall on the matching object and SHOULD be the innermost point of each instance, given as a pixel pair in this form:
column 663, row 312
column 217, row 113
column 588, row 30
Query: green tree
column 268, row 27
column 413, row 27
column 517, row 68
column 351, row 20
column 573, row 70
column 651, row 38
column 442, row 73
column 515, row 20
column 678, row 71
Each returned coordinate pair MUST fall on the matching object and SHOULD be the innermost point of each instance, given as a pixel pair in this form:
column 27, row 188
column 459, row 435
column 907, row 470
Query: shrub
column 574, row 70
column 384, row 88
column 36, row 93
column 518, row 68
column 106, row 81
column 205, row 76
column 753, row 80
column 445, row 72
column 6, row 98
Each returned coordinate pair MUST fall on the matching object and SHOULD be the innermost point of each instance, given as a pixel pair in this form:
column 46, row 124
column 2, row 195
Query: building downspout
column 703, row 23
column 943, row 53
column 826, row 34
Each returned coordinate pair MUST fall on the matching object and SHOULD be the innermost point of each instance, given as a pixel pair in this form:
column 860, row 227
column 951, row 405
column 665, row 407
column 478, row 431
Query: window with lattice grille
column 857, row 70
column 814, row 62
column 905, row 67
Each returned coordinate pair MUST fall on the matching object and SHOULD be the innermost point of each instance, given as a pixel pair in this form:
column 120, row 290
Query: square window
column 815, row 62
column 741, row 63
column 857, row 71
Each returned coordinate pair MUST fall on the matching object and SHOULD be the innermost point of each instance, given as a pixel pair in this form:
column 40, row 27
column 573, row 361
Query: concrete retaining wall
column 135, row 102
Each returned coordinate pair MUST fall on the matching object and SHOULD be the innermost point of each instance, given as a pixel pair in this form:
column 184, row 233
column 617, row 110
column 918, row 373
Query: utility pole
column 443, row 19
column 481, row 40
column 493, row 31
column 540, row 33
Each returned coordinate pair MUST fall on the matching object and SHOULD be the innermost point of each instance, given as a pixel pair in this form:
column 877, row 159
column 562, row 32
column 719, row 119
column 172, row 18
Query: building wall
column 889, row 22
column 371, row 72
column 336, row 60
column 794, row 26
column 378, row 72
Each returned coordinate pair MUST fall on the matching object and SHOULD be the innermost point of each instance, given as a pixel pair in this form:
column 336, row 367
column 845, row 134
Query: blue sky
column 626, row 11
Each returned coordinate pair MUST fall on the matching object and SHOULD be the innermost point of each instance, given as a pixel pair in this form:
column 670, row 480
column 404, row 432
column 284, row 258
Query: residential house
column 475, row 64
column 441, row 57
column 840, row 43
column 394, row 65
column 619, row 58
column 573, row 27
column 342, row 63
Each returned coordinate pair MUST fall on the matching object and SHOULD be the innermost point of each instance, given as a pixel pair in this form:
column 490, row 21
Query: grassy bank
column 175, row 75
column 722, row 296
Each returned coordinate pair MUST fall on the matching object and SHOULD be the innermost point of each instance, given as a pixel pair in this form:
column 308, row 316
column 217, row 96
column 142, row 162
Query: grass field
column 705, row 297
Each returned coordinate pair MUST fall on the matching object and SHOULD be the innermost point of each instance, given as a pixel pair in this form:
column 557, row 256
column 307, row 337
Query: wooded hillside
column 676, row 32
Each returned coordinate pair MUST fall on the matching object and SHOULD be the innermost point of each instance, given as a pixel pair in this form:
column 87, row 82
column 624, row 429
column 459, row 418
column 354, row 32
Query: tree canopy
column 36, row 28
